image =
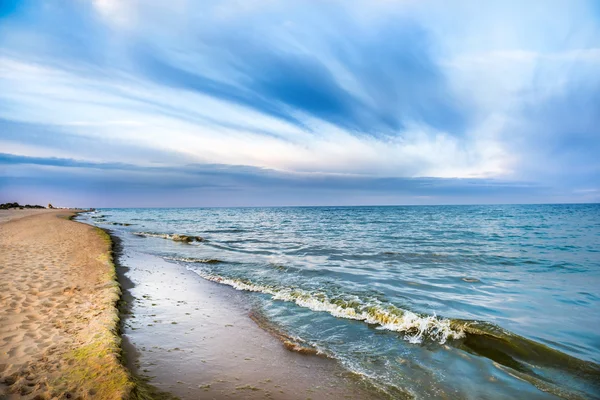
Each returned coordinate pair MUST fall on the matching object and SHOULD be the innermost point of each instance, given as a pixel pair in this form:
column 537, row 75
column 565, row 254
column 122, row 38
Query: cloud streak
column 305, row 96
column 230, row 185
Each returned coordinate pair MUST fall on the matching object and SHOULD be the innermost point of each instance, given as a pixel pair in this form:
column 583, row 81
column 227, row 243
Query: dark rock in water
column 176, row 237
column 186, row 239
column 299, row 348
column 181, row 238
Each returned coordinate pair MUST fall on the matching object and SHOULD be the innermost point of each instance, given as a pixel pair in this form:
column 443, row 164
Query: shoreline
column 198, row 339
column 71, row 320
column 142, row 390
column 97, row 367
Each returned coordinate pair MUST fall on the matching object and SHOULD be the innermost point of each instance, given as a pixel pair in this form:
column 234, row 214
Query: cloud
column 222, row 131
column 373, row 82
column 358, row 96
column 46, row 140
column 121, row 184
column 561, row 132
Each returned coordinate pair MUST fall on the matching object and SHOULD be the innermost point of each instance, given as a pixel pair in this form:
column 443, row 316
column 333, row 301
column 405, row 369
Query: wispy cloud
column 233, row 185
column 381, row 92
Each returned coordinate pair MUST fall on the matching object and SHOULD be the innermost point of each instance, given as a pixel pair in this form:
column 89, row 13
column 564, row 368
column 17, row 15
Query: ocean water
column 471, row 302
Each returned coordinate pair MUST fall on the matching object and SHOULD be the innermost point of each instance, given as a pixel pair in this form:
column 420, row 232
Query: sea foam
column 195, row 260
column 415, row 327
column 175, row 237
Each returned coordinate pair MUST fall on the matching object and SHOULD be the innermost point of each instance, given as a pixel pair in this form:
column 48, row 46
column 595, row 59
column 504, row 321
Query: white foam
column 414, row 326
column 157, row 235
column 194, row 260
column 175, row 237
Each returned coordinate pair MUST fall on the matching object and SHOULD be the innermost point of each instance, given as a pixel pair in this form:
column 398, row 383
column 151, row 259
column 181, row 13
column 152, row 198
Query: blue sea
column 494, row 301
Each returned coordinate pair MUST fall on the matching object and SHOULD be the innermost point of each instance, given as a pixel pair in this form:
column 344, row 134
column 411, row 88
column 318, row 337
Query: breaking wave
column 534, row 362
column 291, row 343
column 175, row 236
column 415, row 327
column 195, row 260
column 152, row 234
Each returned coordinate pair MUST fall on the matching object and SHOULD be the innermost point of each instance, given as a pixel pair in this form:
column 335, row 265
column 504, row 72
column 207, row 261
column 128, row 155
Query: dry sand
column 12, row 214
column 57, row 309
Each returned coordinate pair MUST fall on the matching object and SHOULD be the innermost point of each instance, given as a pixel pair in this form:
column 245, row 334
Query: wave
column 537, row 363
column 176, row 237
column 225, row 230
column 291, row 343
column 415, row 327
column 534, row 362
column 195, row 260
column 120, row 223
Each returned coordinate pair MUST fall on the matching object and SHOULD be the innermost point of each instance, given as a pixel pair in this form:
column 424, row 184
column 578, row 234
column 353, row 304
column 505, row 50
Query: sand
column 12, row 214
column 57, row 309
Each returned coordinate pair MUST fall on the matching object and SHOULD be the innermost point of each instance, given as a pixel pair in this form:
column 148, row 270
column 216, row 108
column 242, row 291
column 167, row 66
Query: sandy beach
column 58, row 319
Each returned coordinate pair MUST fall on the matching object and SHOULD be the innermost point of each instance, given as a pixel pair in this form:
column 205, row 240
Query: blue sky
column 264, row 102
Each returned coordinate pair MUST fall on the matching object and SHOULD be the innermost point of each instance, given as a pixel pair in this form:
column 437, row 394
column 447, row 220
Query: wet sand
column 195, row 339
column 57, row 309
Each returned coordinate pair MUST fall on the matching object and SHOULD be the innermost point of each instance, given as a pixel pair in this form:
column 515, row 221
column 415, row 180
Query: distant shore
column 58, row 316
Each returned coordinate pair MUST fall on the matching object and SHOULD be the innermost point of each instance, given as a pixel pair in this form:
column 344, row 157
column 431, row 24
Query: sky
column 181, row 103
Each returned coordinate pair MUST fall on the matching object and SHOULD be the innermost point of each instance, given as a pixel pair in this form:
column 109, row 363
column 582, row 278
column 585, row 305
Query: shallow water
column 194, row 339
column 444, row 301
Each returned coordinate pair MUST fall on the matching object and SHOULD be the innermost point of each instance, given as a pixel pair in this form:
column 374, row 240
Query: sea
column 473, row 302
